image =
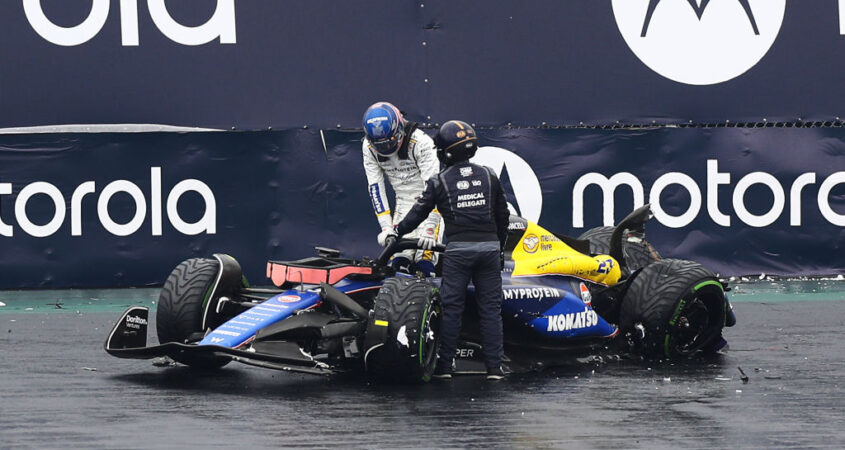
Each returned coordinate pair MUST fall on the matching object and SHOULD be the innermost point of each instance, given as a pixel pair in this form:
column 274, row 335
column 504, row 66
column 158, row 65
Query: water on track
column 59, row 389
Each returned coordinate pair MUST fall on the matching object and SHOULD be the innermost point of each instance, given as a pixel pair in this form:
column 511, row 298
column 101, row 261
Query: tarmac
column 780, row 385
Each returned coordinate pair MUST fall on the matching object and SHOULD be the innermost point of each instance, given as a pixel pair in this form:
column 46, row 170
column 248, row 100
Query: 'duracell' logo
column 699, row 42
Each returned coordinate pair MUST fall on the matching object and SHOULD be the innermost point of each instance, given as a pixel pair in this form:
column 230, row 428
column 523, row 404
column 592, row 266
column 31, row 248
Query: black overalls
column 471, row 201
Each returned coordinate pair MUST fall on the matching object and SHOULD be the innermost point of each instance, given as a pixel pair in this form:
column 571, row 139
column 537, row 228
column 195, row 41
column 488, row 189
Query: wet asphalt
column 59, row 389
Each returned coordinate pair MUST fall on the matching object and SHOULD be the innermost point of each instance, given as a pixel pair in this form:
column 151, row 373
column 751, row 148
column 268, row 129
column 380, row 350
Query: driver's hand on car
column 386, row 233
column 428, row 239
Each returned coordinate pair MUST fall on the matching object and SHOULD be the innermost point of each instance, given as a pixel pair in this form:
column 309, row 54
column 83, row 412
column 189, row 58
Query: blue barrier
column 254, row 64
column 122, row 209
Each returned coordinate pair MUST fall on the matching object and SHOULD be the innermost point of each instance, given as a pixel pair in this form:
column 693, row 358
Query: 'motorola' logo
column 523, row 180
column 699, row 42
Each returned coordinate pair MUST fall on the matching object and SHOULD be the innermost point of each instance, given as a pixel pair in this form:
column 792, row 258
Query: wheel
column 676, row 308
column 409, row 310
column 181, row 305
column 638, row 252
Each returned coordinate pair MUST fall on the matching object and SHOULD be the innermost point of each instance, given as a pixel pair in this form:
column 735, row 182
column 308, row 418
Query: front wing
column 128, row 339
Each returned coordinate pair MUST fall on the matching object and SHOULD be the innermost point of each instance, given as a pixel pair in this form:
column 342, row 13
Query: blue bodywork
column 550, row 305
column 240, row 329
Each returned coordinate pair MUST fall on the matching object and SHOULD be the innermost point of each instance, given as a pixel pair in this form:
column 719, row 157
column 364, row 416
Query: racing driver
column 396, row 149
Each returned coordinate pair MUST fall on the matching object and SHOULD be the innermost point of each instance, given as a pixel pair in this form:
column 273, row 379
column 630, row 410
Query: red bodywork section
column 279, row 273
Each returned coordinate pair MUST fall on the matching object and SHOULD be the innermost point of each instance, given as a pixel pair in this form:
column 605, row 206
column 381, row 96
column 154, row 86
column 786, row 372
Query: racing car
column 562, row 297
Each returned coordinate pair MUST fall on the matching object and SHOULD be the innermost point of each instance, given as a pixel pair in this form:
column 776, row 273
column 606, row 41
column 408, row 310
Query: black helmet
column 456, row 142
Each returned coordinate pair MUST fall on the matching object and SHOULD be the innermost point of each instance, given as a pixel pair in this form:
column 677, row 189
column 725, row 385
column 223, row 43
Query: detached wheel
column 638, row 252
column 677, row 307
column 181, row 305
column 407, row 321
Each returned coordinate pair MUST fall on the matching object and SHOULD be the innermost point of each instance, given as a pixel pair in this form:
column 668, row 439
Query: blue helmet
column 384, row 127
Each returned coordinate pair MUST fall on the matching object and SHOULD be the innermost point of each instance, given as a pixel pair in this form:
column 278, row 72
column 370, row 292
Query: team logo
column 379, row 126
column 699, row 42
column 530, row 243
column 466, row 171
column 523, row 180
column 289, row 298
column 463, row 184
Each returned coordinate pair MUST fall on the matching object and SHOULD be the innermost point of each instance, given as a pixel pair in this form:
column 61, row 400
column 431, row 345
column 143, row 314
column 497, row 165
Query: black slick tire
column 675, row 309
column 408, row 310
column 181, row 304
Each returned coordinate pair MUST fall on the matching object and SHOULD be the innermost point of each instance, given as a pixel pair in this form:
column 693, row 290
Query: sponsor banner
column 124, row 209
column 254, row 64
column 740, row 201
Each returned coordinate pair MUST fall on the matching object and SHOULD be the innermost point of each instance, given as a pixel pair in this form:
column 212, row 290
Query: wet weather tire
column 408, row 310
column 181, row 305
column 674, row 308
column 638, row 252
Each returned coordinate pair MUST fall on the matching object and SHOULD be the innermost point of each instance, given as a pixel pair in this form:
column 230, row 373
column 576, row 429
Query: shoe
column 495, row 373
column 442, row 373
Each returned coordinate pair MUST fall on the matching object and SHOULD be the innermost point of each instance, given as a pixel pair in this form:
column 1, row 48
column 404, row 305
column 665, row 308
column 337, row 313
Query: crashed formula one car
column 609, row 289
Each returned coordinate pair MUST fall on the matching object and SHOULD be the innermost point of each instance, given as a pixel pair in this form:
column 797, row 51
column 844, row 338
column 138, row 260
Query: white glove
column 428, row 239
column 385, row 233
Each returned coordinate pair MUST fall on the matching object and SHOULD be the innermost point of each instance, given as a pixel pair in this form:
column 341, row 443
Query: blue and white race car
column 562, row 297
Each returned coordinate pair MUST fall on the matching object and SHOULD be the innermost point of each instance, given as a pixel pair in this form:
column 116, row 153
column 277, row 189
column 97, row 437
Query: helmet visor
column 388, row 146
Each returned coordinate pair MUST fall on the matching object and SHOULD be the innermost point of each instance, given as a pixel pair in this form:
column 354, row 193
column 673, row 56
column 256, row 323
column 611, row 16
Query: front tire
column 181, row 305
column 409, row 309
column 676, row 308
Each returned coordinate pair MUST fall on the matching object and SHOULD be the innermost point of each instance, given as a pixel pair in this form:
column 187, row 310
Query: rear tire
column 181, row 305
column 638, row 252
column 409, row 307
column 680, row 306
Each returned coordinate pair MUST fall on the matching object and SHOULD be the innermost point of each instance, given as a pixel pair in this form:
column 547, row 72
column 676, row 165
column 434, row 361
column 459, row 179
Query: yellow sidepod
column 541, row 253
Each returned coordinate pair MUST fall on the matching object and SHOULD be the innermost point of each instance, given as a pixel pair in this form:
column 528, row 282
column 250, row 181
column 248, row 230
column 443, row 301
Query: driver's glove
column 386, row 233
column 428, row 238
column 428, row 235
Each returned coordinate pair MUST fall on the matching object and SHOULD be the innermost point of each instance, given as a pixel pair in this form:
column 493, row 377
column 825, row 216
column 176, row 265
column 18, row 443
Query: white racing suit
column 406, row 170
